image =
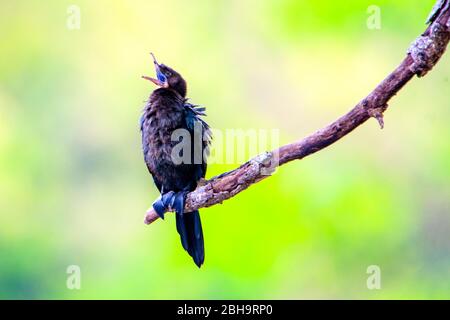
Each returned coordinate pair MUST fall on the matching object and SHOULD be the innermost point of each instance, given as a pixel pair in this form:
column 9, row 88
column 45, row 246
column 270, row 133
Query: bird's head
column 166, row 77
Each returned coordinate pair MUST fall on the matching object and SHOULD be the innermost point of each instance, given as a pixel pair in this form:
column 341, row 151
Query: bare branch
column 422, row 56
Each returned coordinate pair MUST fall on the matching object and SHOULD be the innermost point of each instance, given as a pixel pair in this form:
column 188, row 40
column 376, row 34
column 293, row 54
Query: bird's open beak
column 156, row 81
column 161, row 80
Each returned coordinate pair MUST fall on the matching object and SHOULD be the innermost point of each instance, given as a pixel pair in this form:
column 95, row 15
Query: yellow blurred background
column 74, row 187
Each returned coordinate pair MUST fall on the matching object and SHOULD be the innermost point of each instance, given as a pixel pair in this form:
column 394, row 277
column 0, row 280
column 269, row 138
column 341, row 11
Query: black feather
column 180, row 220
column 196, row 247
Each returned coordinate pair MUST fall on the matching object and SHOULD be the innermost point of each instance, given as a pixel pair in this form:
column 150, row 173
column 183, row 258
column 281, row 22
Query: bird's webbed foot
column 170, row 201
column 178, row 204
column 164, row 203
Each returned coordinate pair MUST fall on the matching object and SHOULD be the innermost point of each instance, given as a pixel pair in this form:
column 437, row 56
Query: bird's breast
column 161, row 117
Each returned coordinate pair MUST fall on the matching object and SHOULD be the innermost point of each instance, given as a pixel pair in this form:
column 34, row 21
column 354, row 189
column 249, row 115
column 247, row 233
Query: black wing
column 193, row 114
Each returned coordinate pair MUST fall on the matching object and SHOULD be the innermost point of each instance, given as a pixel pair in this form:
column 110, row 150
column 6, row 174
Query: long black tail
column 189, row 226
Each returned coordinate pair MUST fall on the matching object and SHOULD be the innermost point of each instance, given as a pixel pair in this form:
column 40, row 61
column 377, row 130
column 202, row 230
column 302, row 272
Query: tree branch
column 422, row 56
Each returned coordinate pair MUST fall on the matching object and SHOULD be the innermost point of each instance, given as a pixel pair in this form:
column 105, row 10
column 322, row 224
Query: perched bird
column 166, row 112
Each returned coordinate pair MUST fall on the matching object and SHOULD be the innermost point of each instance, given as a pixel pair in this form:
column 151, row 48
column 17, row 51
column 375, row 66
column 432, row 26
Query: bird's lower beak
column 156, row 81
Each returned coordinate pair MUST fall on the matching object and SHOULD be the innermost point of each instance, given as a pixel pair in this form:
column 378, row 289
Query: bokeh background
column 74, row 188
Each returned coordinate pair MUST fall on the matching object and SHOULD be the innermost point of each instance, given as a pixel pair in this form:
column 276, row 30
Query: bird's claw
column 164, row 203
column 168, row 202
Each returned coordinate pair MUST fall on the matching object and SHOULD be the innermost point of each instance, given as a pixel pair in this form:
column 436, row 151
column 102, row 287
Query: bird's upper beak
column 161, row 79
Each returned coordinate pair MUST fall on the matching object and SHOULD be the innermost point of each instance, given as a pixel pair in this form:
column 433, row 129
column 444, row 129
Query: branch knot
column 265, row 163
column 377, row 113
column 375, row 109
column 426, row 50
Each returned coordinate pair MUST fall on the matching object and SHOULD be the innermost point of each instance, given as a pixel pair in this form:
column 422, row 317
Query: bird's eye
column 168, row 73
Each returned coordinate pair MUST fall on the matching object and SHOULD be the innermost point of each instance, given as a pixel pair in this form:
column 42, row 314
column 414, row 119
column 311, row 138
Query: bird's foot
column 164, row 203
column 179, row 200
column 170, row 201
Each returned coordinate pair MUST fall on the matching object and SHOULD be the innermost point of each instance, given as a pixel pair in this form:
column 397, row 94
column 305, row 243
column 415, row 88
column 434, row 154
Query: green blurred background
column 74, row 187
